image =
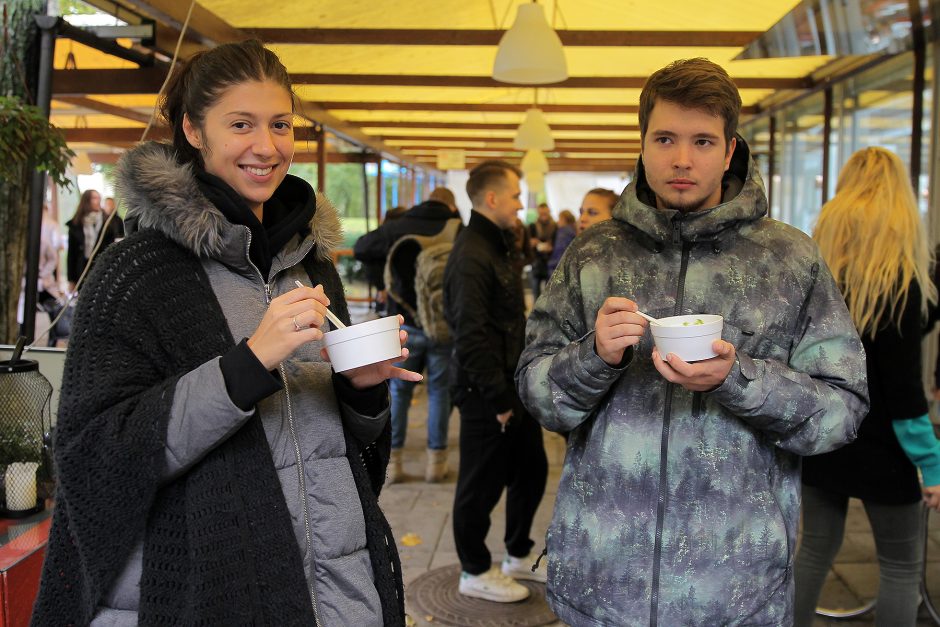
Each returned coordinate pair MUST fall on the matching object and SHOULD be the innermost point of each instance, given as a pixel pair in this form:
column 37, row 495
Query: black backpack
column 429, row 278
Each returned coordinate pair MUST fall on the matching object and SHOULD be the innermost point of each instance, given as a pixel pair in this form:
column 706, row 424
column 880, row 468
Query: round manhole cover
column 433, row 598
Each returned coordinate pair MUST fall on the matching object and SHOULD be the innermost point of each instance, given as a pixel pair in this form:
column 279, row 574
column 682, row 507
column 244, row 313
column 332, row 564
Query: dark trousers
column 491, row 460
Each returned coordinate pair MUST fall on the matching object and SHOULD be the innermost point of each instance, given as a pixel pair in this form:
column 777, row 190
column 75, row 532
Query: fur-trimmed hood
column 162, row 194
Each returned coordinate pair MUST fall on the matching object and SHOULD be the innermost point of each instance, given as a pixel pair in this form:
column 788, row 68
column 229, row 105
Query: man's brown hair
column 485, row 176
column 693, row 84
column 444, row 195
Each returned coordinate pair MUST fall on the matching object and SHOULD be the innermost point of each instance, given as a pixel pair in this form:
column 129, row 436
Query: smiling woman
column 247, row 139
column 226, row 466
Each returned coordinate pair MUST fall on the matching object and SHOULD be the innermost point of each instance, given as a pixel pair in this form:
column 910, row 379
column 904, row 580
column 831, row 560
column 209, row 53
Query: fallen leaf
column 411, row 539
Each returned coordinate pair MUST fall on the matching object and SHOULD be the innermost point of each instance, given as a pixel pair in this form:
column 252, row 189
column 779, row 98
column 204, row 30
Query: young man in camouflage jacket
column 679, row 498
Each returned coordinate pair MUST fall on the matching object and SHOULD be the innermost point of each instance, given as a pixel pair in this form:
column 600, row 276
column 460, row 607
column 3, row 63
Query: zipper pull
column 541, row 555
column 267, row 293
column 676, row 229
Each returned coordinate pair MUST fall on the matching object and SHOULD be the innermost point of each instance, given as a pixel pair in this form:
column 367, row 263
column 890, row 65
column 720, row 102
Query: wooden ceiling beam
column 299, row 157
column 204, row 25
column 208, row 29
column 131, row 135
column 469, row 106
column 103, row 107
column 416, row 150
column 77, row 83
column 574, row 82
column 571, row 166
column 488, row 107
column 458, row 140
column 492, row 126
column 149, row 80
column 474, row 37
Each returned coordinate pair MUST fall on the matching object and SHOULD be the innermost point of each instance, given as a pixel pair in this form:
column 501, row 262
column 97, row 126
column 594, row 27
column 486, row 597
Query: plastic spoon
column 329, row 314
column 651, row 319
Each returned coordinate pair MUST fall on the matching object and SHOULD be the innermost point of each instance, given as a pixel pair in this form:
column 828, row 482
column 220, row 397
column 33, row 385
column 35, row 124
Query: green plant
column 19, row 444
column 27, row 137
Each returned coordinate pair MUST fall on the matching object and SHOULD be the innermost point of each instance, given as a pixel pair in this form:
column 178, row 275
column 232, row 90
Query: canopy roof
column 407, row 79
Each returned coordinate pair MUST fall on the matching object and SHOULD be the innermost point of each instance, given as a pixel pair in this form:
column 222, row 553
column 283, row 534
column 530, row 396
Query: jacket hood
column 162, row 194
column 742, row 200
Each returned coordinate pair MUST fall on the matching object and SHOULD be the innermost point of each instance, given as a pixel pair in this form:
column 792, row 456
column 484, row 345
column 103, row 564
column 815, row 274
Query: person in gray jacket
column 679, row 497
column 203, row 479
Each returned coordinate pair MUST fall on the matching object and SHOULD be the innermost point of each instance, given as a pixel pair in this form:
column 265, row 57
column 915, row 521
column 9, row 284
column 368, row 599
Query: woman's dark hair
column 84, row 206
column 197, row 84
column 607, row 194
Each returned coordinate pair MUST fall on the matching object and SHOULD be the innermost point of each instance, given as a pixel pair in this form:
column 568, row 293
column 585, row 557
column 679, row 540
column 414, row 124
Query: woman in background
column 875, row 244
column 83, row 235
column 596, row 207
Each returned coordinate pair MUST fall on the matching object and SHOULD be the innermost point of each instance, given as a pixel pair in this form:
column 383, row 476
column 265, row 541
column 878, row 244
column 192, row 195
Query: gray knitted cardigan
column 219, row 546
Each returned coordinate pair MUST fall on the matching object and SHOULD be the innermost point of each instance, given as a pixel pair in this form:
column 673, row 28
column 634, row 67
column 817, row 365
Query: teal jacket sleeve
column 921, row 446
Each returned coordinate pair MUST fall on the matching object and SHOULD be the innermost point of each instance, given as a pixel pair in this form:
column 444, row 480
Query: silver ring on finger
column 297, row 327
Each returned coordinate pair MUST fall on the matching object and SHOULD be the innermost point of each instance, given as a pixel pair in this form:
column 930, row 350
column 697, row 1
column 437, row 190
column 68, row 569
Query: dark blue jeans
column 424, row 354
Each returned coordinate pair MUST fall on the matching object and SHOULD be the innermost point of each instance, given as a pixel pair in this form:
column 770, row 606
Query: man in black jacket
column 500, row 443
column 428, row 218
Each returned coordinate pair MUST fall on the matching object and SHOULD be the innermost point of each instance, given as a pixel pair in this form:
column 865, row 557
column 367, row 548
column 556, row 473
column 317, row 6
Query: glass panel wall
column 923, row 191
column 874, row 109
column 757, row 136
column 798, row 195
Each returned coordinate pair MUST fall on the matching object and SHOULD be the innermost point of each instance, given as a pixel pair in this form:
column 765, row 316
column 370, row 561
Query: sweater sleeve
column 920, row 444
column 364, row 412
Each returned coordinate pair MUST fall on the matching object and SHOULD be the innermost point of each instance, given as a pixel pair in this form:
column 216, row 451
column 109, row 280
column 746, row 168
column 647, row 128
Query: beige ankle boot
column 395, row 473
column 437, row 466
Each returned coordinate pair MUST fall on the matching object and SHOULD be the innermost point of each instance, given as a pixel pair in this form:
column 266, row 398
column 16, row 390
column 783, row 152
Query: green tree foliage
column 27, row 138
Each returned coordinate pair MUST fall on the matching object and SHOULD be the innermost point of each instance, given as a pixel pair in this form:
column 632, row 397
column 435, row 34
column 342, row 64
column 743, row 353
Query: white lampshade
column 81, row 164
column 530, row 53
column 534, row 161
column 535, row 181
column 534, row 132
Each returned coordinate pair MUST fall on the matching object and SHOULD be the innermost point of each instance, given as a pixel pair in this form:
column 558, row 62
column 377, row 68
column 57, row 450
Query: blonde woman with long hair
column 872, row 237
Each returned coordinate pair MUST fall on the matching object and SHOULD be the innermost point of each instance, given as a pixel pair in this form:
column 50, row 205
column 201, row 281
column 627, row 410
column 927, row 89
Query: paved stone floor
column 421, row 513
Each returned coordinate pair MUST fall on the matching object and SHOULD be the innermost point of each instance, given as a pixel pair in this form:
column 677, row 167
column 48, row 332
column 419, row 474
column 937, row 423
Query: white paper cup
column 363, row 344
column 684, row 337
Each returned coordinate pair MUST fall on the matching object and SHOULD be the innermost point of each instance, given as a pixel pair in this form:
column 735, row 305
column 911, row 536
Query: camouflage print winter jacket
column 681, row 508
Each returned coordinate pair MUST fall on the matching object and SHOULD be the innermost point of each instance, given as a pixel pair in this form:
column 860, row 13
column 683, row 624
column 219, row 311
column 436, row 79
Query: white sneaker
column 492, row 586
column 521, row 568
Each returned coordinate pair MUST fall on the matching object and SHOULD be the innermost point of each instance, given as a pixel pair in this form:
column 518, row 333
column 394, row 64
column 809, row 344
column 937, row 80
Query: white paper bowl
column 364, row 343
column 691, row 342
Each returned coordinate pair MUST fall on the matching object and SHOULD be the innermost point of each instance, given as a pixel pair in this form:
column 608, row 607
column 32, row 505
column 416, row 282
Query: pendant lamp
column 534, row 132
column 534, row 161
column 535, row 181
column 530, row 53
